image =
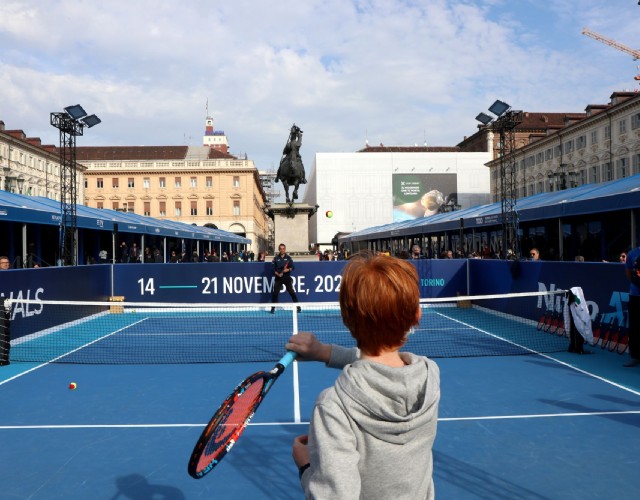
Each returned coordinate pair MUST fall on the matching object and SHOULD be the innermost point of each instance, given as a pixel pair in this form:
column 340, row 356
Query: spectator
column 124, row 253
column 5, row 263
column 534, row 254
column 134, row 254
column 157, row 256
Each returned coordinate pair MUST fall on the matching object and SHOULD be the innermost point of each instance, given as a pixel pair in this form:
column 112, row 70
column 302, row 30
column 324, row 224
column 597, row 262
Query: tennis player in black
column 282, row 267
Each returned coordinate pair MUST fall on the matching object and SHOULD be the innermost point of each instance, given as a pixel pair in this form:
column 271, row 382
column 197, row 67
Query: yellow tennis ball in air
column 73, row 386
column 329, row 214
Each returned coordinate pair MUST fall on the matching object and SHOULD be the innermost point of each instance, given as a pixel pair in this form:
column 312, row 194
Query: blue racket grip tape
column 288, row 358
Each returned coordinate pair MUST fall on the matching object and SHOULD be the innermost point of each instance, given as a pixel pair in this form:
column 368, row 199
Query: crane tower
column 614, row 44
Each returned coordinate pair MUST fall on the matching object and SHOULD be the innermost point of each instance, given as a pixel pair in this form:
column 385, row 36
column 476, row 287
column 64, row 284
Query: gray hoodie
column 371, row 434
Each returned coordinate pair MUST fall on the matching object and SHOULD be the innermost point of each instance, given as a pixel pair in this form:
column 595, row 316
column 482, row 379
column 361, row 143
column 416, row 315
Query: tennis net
column 138, row 333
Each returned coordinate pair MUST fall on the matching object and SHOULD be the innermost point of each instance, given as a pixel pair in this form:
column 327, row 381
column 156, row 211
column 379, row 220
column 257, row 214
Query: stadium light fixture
column 484, row 118
column 91, row 121
column 498, row 108
column 76, row 111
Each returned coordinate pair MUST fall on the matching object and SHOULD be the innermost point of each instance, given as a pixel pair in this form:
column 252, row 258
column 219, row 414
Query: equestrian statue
column 291, row 170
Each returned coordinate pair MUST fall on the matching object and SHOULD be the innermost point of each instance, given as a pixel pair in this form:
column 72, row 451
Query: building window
column 194, row 208
column 209, row 207
column 539, row 158
column 568, row 146
column 236, row 181
column 635, row 121
column 635, row 164
column 100, row 204
column 99, row 183
column 236, row 207
column 129, row 206
column 607, row 132
column 582, row 177
column 548, row 154
column 622, row 168
column 86, row 183
column 178, row 208
column 622, row 126
column 607, row 173
column 594, row 175
column 131, row 182
column 115, row 205
column 146, row 183
column 163, row 209
column 147, row 208
column 594, row 136
column 209, row 182
column 581, row 142
column 163, row 182
column 557, row 152
column 193, row 182
column 178, row 182
column 115, row 183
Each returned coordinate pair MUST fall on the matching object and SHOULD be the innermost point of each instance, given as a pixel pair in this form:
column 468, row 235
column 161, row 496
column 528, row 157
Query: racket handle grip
column 288, row 358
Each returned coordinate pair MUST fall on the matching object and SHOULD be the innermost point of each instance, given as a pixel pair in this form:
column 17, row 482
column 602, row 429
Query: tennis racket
column 229, row 422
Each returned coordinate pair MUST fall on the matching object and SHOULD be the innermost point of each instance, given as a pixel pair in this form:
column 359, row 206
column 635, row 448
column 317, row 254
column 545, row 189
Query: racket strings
column 231, row 423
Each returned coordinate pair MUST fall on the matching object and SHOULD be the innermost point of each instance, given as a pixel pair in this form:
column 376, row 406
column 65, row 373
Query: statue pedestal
column 291, row 225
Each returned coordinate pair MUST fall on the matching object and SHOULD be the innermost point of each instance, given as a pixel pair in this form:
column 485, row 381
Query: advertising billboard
column 422, row 195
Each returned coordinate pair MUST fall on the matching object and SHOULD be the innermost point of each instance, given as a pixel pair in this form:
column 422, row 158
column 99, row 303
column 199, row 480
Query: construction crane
column 614, row 44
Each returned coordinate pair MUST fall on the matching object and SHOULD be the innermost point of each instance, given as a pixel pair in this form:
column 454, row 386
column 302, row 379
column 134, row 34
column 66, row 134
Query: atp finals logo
column 618, row 304
column 23, row 303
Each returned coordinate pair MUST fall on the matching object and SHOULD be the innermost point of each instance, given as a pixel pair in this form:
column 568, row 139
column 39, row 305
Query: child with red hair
column 372, row 433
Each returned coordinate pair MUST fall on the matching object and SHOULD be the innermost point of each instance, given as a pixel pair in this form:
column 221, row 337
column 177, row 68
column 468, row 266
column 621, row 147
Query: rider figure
column 291, row 171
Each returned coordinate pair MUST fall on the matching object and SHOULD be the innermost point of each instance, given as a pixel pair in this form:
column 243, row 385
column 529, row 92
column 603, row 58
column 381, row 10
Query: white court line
column 17, row 375
column 272, row 424
column 546, row 356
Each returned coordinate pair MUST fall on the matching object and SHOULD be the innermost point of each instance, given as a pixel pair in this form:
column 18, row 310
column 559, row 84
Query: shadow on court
column 474, row 481
column 136, row 487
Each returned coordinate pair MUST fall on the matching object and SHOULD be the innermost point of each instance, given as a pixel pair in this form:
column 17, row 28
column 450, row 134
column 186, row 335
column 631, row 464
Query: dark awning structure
column 39, row 210
column 622, row 194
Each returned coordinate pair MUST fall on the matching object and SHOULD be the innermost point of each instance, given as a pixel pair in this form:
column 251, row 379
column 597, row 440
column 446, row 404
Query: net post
column 116, row 309
column 5, row 338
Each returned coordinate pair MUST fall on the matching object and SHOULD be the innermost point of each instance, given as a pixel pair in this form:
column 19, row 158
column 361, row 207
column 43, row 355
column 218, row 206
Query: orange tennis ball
column 73, row 386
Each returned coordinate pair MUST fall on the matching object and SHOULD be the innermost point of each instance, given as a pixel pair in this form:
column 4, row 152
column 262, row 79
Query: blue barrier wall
column 253, row 282
column 91, row 283
column 604, row 285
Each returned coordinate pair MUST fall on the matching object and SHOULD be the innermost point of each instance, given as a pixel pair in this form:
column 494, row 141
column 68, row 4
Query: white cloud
column 389, row 71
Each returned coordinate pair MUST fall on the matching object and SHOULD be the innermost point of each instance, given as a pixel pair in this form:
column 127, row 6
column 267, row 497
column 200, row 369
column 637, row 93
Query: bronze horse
column 291, row 170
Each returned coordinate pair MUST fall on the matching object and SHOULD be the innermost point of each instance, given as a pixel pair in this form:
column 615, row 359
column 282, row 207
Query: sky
column 392, row 72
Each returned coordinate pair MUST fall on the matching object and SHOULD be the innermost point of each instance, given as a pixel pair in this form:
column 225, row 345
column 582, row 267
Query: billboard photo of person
column 421, row 195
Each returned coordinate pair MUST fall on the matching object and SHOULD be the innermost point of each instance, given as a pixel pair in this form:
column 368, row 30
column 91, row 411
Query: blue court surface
column 510, row 427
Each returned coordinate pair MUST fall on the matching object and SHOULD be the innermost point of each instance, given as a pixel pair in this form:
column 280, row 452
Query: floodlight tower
column 505, row 123
column 71, row 124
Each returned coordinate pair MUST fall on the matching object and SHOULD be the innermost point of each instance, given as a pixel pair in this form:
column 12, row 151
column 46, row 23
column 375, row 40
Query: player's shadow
column 136, row 487
column 264, row 458
column 478, row 482
column 621, row 418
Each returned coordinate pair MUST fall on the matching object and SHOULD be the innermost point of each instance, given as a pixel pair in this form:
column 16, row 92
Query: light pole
column 504, row 124
column 71, row 124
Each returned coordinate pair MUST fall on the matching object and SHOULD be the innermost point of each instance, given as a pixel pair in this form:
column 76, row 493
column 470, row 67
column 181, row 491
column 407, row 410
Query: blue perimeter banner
column 604, row 284
column 253, row 282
